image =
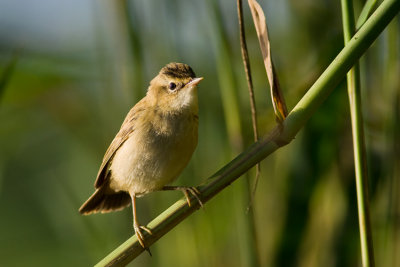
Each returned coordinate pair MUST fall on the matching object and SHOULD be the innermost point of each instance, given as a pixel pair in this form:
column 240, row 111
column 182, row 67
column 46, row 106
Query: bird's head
column 174, row 89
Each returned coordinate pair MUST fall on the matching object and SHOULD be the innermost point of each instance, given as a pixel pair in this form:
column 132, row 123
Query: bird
column 153, row 146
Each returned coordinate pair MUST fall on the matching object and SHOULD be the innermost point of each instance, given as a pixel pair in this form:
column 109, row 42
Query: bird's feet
column 186, row 190
column 138, row 231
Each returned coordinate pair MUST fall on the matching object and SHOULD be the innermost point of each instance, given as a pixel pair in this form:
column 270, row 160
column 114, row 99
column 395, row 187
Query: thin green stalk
column 354, row 93
column 367, row 9
column 280, row 136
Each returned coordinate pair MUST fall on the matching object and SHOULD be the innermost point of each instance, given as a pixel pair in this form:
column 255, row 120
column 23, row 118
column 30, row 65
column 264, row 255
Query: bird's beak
column 195, row 81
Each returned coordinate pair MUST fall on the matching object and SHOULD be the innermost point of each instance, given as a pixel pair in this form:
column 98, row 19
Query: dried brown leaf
column 278, row 100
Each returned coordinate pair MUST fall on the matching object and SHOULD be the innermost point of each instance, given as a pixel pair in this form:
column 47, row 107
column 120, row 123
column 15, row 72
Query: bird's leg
column 186, row 190
column 137, row 227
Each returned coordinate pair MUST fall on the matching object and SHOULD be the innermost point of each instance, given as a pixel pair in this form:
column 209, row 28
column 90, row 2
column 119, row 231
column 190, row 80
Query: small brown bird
column 153, row 146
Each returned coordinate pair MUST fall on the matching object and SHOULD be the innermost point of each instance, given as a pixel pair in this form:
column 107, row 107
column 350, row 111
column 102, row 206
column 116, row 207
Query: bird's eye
column 172, row 86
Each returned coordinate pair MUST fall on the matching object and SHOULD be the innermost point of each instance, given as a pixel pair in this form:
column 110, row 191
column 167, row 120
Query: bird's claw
column 194, row 191
column 138, row 231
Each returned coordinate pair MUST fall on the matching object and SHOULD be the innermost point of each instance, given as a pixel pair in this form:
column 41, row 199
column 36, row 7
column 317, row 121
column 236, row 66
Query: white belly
column 146, row 162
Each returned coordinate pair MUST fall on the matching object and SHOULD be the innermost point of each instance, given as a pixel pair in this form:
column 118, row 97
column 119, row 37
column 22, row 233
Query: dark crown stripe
column 178, row 70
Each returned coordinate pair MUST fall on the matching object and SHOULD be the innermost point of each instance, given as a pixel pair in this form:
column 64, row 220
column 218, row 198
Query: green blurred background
column 71, row 70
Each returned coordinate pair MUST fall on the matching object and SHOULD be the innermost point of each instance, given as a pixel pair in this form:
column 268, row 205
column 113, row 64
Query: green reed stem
column 367, row 9
column 360, row 165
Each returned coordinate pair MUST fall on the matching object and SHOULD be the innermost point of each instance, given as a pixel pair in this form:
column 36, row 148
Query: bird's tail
column 102, row 202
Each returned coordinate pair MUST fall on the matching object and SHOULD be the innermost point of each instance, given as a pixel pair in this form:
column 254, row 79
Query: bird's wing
column 128, row 126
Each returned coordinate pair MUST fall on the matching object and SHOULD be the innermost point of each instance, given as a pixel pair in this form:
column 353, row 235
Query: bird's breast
column 155, row 153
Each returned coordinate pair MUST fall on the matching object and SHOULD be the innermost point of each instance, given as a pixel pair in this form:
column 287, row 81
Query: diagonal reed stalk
column 354, row 93
column 279, row 136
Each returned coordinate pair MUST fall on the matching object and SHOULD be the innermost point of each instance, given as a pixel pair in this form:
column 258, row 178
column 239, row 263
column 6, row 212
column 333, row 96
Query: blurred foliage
column 72, row 83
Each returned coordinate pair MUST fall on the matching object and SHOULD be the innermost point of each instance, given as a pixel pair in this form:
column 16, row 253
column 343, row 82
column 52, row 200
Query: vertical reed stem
column 354, row 93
